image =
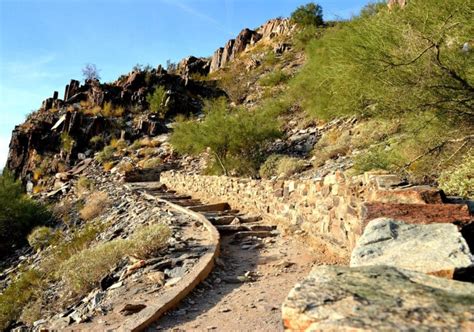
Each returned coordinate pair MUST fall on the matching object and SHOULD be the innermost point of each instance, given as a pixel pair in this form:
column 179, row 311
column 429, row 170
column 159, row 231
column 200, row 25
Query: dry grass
column 83, row 271
column 108, row 166
column 95, row 205
column 152, row 163
column 147, row 241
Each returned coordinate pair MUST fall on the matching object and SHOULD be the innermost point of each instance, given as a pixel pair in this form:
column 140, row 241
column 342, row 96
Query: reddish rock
column 410, row 195
column 417, row 213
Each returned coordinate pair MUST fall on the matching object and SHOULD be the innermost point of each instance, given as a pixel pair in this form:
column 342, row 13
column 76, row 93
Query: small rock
column 130, row 309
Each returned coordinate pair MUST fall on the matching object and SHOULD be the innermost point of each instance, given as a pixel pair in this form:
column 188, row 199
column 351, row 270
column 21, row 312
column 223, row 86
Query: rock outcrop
column 437, row 249
column 393, row 3
column 378, row 298
column 192, row 65
column 41, row 134
column 223, row 55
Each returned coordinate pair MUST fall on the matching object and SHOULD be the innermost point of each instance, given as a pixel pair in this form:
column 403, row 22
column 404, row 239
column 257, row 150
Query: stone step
column 222, row 220
column 173, row 197
column 226, row 229
column 186, row 202
column 217, row 207
column 261, row 234
column 417, row 213
column 216, row 214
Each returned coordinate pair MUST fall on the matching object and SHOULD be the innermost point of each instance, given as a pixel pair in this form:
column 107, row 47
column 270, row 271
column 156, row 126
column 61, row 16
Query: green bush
column 18, row 214
column 18, row 294
column 309, row 14
column 236, row 138
column 106, row 155
column 41, row 237
column 406, row 65
column 378, row 158
column 157, row 100
column 459, row 180
column 67, row 142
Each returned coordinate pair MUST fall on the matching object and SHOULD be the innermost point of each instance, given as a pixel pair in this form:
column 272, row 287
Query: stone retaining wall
column 328, row 210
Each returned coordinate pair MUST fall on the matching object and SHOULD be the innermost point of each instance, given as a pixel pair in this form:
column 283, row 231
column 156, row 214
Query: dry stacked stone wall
column 327, row 210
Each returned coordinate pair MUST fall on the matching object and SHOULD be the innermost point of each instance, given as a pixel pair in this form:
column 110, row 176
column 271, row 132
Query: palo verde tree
column 235, row 137
column 414, row 65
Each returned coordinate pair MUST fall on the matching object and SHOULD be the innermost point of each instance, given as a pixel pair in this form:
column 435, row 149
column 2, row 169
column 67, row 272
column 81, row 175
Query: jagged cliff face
column 37, row 142
column 225, row 55
column 222, row 56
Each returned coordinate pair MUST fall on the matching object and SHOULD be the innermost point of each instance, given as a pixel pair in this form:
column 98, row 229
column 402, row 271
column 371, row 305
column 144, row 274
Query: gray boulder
column 378, row 298
column 437, row 249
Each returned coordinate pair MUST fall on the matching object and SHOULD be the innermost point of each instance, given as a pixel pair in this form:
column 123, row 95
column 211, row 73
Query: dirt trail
column 269, row 269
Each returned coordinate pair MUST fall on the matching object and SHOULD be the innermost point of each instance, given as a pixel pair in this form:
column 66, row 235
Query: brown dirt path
column 222, row 303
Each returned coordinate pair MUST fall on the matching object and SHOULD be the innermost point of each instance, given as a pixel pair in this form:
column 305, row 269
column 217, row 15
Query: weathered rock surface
column 417, row 213
column 393, row 3
column 437, row 249
column 376, row 298
column 223, row 55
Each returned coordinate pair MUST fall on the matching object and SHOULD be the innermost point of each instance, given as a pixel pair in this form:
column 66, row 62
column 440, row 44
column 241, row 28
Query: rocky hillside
column 307, row 136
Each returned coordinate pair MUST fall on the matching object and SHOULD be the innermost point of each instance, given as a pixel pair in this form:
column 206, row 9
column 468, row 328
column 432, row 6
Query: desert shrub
column 41, row 237
column 19, row 293
column 67, row 142
column 236, row 138
column 118, row 144
column 97, row 142
column 84, row 270
column 108, row 110
column 125, row 166
column 148, row 240
column 269, row 167
column 378, row 158
column 95, row 205
column 281, row 166
column 332, row 145
column 459, row 179
column 397, row 65
column 152, row 163
column 288, row 166
column 270, row 59
column 309, row 14
column 156, row 100
column 18, row 214
column 106, row 155
column 84, row 184
column 108, row 166
column 274, row 78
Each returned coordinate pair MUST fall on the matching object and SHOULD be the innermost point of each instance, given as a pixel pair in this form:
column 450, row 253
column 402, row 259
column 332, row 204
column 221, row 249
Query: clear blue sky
column 45, row 43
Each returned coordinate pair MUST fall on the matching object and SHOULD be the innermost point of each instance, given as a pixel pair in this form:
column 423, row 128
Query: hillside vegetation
column 406, row 76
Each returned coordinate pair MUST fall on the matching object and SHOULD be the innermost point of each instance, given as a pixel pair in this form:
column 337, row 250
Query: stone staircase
column 228, row 221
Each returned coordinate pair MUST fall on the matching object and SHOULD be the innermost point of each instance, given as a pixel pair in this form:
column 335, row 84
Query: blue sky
column 45, row 43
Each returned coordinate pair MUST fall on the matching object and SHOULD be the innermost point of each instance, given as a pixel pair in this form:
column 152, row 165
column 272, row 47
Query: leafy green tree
column 307, row 15
column 235, row 137
column 18, row 214
column 157, row 100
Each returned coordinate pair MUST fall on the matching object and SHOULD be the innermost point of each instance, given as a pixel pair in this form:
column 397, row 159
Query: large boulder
column 378, row 298
column 437, row 249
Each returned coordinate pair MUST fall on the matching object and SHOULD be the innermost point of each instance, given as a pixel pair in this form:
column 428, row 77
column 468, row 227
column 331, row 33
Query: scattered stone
column 376, row 298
